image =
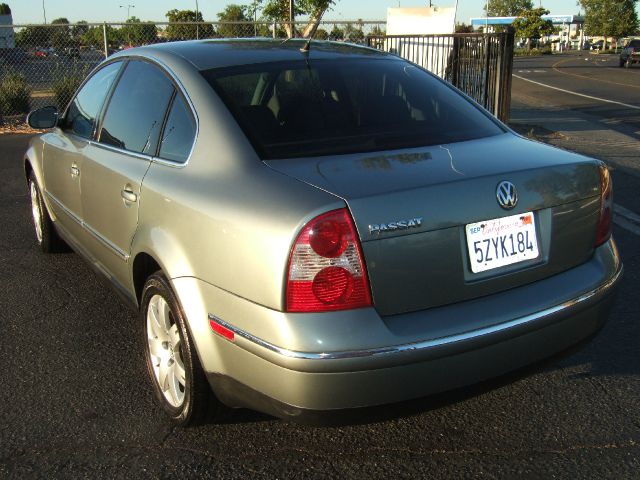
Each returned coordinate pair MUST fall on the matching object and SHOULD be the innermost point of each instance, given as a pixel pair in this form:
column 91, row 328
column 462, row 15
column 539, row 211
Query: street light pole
column 128, row 17
column 129, row 7
column 44, row 12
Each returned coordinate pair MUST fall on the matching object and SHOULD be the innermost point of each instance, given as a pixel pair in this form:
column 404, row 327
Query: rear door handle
column 75, row 171
column 128, row 195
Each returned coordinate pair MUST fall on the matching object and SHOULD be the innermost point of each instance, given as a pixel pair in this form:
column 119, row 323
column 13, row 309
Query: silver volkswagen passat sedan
column 318, row 229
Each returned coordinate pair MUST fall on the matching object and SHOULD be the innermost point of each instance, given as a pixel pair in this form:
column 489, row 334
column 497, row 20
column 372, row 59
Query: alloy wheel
column 165, row 349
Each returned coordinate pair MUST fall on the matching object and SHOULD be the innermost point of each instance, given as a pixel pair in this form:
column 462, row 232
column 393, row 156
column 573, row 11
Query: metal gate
column 478, row 64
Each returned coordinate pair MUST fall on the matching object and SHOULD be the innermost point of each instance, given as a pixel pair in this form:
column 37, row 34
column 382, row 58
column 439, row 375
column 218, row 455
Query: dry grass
column 16, row 124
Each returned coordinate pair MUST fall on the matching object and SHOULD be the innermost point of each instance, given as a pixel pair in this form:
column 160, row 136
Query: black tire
column 46, row 235
column 198, row 402
column 621, row 63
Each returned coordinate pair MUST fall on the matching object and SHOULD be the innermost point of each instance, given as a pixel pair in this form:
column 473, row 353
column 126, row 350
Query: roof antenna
column 307, row 45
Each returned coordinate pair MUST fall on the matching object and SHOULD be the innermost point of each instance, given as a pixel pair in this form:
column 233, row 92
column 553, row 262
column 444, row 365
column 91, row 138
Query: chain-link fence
column 44, row 64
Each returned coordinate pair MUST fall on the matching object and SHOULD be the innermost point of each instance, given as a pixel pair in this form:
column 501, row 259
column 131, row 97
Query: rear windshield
column 328, row 107
column 634, row 44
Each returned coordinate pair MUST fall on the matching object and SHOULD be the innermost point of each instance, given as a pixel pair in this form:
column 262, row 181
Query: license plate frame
column 499, row 242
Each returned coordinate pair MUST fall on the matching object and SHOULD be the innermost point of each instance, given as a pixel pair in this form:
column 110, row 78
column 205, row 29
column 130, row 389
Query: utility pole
column 44, row 12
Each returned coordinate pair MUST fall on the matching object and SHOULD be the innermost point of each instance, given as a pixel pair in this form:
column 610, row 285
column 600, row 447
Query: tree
column 463, row 28
column 180, row 31
column 4, row 9
column 95, row 37
column 278, row 10
column 79, row 30
column 136, row 32
column 60, row 37
column 353, row 34
column 321, row 34
column 610, row 18
column 336, row 33
column 234, row 13
column 32, row 37
column 507, row 8
column 531, row 25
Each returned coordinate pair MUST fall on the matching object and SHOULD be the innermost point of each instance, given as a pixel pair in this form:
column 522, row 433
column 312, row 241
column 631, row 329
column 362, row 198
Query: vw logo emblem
column 506, row 195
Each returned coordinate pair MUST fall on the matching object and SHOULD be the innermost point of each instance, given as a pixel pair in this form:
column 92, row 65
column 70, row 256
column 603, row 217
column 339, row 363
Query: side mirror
column 45, row 117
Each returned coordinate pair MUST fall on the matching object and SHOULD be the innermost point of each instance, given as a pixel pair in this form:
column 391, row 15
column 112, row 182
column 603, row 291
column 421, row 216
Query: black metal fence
column 478, row 64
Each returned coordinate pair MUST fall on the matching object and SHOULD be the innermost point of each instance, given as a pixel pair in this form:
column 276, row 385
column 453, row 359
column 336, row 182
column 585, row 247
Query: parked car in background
column 630, row 53
column 599, row 45
column 308, row 227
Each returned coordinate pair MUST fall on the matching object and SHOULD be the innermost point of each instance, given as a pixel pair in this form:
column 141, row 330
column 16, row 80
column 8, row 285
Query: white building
column 7, row 36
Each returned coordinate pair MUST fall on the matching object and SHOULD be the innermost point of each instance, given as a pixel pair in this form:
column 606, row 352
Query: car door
column 127, row 140
column 65, row 147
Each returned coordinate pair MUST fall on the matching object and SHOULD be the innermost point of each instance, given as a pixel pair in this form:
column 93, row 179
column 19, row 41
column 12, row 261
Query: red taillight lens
column 326, row 267
column 606, row 207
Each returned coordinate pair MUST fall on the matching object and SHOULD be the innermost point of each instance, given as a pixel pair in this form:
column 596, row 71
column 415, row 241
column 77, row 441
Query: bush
column 15, row 94
column 64, row 87
column 523, row 52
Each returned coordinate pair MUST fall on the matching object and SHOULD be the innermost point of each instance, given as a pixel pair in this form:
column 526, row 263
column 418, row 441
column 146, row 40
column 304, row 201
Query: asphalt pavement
column 75, row 400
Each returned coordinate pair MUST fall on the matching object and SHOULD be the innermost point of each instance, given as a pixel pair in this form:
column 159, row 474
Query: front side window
column 328, row 107
column 179, row 133
column 85, row 107
column 137, row 108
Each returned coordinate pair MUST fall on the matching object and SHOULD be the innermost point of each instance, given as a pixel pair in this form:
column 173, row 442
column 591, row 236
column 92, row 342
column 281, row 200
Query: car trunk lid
column 410, row 208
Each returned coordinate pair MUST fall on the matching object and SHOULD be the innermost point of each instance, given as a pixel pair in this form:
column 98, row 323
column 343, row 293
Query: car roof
column 217, row 53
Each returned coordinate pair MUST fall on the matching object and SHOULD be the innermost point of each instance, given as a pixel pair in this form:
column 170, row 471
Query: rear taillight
column 326, row 267
column 606, row 207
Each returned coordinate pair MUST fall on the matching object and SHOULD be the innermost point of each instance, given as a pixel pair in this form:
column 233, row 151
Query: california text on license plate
column 501, row 241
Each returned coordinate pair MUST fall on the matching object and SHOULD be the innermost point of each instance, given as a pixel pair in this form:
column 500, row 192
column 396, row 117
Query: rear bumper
column 257, row 373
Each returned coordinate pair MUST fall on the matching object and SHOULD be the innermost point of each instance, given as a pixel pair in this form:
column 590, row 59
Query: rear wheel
column 45, row 231
column 621, row 62
column 179, row 383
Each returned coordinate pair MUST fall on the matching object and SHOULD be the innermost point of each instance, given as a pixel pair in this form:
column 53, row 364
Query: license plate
column 501, row 241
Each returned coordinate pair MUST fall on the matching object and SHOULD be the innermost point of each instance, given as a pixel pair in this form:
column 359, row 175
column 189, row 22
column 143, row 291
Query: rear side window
column 634, row 44
column 327, row 107
column 179, row 132
column 84, row 109
column 137, row 108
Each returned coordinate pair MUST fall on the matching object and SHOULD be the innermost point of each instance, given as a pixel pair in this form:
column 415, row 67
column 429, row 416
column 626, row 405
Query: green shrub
column 523, row 52
column 64, row 87
column 15, row 94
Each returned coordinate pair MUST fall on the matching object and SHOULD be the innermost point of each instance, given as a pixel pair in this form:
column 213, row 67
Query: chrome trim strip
column 129, row 153
column 121, row 253
column 118, row 251
column 72, row 215
column 423, row 345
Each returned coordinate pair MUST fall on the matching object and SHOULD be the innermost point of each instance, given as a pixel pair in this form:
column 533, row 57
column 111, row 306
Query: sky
column 30, row 11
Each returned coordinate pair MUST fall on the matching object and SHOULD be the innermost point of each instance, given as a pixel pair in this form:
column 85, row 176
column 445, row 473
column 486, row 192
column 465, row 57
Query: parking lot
column 75, row 399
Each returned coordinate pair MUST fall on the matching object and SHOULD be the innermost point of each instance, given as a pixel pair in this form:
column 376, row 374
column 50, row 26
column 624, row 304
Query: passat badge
column 378, row 228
